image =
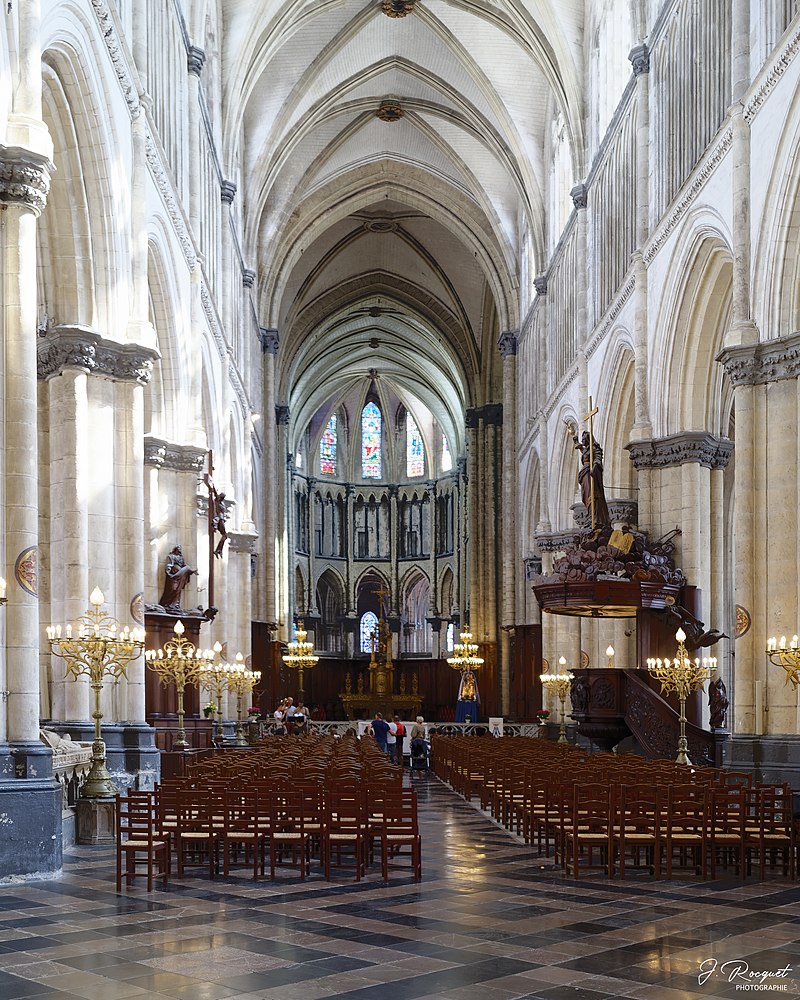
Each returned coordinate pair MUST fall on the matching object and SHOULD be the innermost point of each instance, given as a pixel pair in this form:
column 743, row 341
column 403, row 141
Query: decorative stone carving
column 508, row 344
column 472, row 417
column 243, row 541
column 555, row 541
column 270, row 341
column 66, row 347
column 540, row 284
column 533, row 567
column 782, row 60
column 164, row 184
column 109, row 32
column 681, row 449
column 227, row 190
column 639, row 57
column 759, row 364
column 381, row 226
column 700, row 175
column 24, row 178
column 622, row 511
column 195, row 60
column 491, row 415
column 177, row 457
column 398, row 8
column 248, row 277
column 389, row 110
column 282, row 415
column 579, row 195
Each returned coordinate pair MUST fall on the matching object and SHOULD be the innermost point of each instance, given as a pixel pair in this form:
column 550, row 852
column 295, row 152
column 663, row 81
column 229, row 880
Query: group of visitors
column 291, row 718
column 390, row 735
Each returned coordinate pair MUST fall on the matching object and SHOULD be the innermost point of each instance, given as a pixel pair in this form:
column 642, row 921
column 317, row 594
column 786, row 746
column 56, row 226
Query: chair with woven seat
column 139, row 840
column 636, row 827
column 288, row 829
column 243, row 830
column 346, row 830
column 586, row 828
column 769, row 828
column 399, row 829
column 197, row 833
column 686, row 828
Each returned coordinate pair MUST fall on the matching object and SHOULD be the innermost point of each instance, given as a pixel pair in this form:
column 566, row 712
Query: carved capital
column 472, row 416
column 639, row 57
column 162, row 454
column 508, row 343
column 282, row 415
column 77, row 347
column 690, row 447
column 579, row 196
column 767, row 361
column 270, row 341
column 621, row 511
column 493, row 415
column 24, row 178
column 243, row 541
column 248, row 277
column 195, row 60
column 540, row 284
column 227, row 190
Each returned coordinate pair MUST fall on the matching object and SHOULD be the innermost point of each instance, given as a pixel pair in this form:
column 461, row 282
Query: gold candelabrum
column 465, row 659
column 215, row 678
column 684, row 676
column 179, row 662
column 610, row 655
column 559, row 684
column 96, row 647
column 785, row 656
column 242, row 681
column 300, row 656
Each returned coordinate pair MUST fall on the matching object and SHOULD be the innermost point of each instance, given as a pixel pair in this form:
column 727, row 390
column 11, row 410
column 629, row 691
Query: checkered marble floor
column 490, row 920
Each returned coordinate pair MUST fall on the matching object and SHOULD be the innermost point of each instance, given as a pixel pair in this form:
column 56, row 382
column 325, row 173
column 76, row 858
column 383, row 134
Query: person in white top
column 391, row 740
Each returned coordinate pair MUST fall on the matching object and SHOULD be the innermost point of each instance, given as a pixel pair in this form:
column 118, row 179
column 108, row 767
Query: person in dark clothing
column 380, row 730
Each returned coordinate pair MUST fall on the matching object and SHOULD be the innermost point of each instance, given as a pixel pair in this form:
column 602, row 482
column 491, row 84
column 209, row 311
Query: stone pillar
column 510, row 497
column 765, row 381
column 473, row 553
column 30, row 800
column 283, row 517
column 272, row 470
column 242, row 546
column 349, row 599
column 227, row 288
column 394, row 571
column 640, row 61
column 432, row 570
column 196, row 59
column 311, row 596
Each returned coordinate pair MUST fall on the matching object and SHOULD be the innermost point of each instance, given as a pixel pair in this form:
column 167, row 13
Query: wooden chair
column 197, row 833
column 636, row 827
column 243, row 830
column 769, row 828
column 288, row 829
column 346, row 829
column 686, row 827
column 726, row 827
column 400, row 829
column 586, row 828
column 139, row 840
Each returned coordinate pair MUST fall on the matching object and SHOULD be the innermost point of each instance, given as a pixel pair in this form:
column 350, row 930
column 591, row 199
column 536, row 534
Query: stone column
column 195, row 61
column 311, row 596
column 242, row 546
column 510, row 492
column 394, row 566
column 272, row 470
column 765, row 381
column 640, row 61
column 283, row 517
column 350, row 603
column 226, row 288
column 432, row 600
column 473, row 552
column 30, row 800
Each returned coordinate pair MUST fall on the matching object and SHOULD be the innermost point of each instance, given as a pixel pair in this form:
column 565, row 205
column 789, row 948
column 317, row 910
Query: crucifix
column 593, row 410
column 208, row 479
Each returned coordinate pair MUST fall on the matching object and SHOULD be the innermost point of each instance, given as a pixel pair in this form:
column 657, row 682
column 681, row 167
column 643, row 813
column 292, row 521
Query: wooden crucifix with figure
column 590, row 474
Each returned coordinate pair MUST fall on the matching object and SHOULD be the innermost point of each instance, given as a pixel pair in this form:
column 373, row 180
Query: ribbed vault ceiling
column 393, row 246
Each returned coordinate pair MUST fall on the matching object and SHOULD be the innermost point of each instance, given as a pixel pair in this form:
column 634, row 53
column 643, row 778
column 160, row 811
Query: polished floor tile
column 491, row 920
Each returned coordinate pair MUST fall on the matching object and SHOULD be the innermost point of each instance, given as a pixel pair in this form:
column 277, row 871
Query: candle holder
column 684, row 676
column 179, row 662
column 610, row 655
column 559, row 684
column 100, row 649
column 300, row 656
column 215, row 678
column 242, row 681
column 785, row 656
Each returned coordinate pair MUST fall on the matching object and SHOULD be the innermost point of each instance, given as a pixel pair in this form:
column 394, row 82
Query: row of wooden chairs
column 212, row 823
column 623, row 810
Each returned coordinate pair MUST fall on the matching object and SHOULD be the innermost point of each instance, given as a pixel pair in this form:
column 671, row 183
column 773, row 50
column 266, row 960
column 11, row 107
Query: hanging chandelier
column 300, row 656
column 465, row 654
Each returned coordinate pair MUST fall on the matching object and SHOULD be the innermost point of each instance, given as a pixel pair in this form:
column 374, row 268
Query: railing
column 529, row 729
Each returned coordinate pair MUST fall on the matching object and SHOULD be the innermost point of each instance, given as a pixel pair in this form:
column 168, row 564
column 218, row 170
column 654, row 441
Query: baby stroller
column 419, row 755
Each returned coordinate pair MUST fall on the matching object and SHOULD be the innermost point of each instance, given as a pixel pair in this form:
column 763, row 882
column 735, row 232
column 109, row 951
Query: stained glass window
column 447, row 459
column 327, row 448
column 371, row 442
column 451, row 637
column 369, row 625
column 415, row 453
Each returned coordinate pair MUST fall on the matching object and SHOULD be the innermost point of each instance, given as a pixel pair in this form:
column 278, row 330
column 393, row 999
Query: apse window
column 371, row 442
column 415, row 451
column 369, row 630
column 327, row 449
